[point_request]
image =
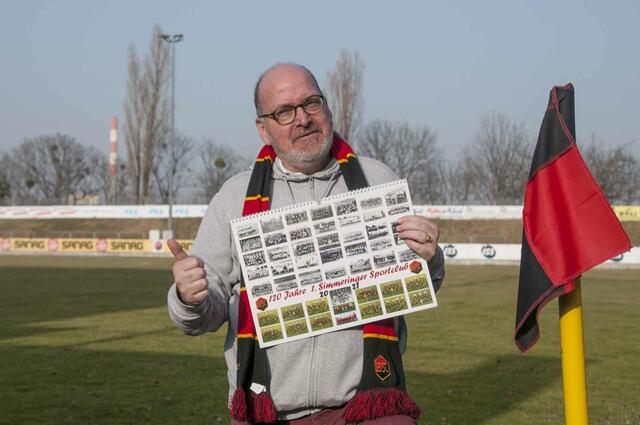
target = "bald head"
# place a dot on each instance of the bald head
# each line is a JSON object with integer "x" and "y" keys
{"x": 275, "y": 72}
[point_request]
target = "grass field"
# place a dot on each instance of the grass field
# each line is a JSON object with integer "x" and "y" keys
{"x": 88, "y": 341}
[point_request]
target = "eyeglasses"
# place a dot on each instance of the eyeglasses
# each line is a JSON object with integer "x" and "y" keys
{"x": 286, "y": 114}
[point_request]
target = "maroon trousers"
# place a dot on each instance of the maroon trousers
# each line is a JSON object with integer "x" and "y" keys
{"x": 334, "y": 416}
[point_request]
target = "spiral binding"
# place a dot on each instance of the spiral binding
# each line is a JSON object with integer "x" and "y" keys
{"x": 401, "y": 183}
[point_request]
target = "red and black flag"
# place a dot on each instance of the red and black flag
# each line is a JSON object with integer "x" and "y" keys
{"x": 569, "y": 226}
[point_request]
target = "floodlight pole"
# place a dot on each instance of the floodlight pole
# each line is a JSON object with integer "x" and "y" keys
{"x": 172, "y": 39}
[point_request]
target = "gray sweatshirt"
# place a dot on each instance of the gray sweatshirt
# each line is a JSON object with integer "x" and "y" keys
{"x": 306, "y": 375}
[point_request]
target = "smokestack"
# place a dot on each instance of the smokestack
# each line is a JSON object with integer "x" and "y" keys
{"x": 113, "y": 158}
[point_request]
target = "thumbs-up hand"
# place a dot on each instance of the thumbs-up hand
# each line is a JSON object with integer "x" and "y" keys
{"x": 189, "y": 274}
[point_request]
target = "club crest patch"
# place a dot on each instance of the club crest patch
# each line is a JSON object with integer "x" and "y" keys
{"x": 261, "y": 304}
{"x": 415, "y": 266}
{"x": 382, "y": 367}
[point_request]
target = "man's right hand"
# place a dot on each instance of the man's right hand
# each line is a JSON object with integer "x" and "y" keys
{"x": 189, "y": 274}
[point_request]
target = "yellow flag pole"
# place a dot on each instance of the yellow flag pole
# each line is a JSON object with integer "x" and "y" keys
{"x": 573, "y": 368}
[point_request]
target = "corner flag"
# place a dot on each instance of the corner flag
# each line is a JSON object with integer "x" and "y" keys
{"x": 569, "y": 226}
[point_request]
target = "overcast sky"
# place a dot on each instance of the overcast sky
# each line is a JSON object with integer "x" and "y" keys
{"x": 442, "y": 64}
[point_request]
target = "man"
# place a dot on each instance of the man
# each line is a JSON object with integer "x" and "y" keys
{"x": 314, "y": 380}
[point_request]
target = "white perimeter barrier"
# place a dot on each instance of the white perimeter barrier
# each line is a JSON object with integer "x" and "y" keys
{"x": 101, "y": 211}
{"x": 445, "y": 212}
{"x": 510, "y": 253}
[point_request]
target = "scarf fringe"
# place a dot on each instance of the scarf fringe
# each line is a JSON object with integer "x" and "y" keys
{"x": 259, "y": 407}
{"x": 378, "y": 403}
{"x": 239, "y": 405}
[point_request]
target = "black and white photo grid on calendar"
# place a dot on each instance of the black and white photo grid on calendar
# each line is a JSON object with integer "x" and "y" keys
{"x": 313, "y": 268}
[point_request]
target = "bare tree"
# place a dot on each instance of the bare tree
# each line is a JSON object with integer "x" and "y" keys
{"x": 101, "y": 177}
{"x": 219, "y": 162}
{"x": 123, "y": 193}
{"x": 412, "y": 152}
{"x": 494, "y": 168}
{"x": 22, "y": 189}
{"x": 616, "y": 170}
{"x": 146, "y": 112}
{"x": 459, "y": 182}
{"x": 101, "y": 180}
{"x": 51, "y": 169}
{"x": 176, "y": 164}
{"x": 345, "y": 93}
{"x": 374, "y": 140}
{"x": 5, "y": 184}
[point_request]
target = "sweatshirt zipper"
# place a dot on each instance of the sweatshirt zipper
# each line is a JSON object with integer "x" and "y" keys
{"x": 312, "y": 189}
{"x": 312, "y": 366}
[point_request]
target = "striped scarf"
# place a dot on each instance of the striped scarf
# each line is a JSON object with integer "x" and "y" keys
{"x": 381, "y": 391}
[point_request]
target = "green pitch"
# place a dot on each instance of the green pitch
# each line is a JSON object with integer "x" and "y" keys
{"x": 88, "y": 340}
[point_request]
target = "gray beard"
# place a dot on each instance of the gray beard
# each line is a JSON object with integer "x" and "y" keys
{"x": 306, "y": 160}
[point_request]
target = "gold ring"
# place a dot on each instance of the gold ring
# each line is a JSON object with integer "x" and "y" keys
{"x": 429, "y": 239}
